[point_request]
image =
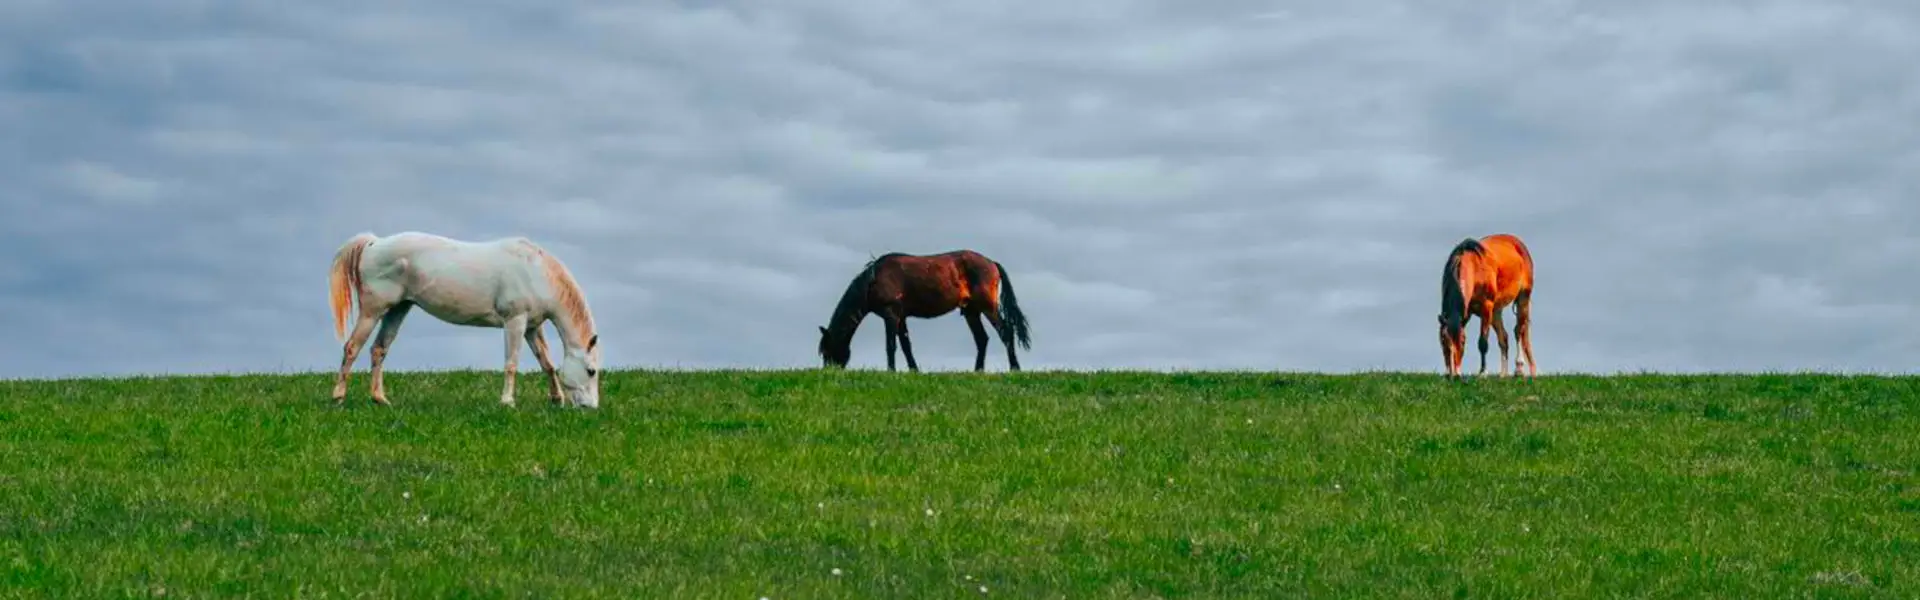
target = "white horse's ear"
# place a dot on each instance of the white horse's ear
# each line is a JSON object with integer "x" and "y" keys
{"x": 593, "y": 341}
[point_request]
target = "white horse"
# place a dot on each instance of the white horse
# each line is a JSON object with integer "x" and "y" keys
{"x": 511, "y": 284}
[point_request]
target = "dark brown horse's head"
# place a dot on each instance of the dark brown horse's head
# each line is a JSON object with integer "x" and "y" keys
{"x": 836, "y": 338}
{"x": 835, "y": 352}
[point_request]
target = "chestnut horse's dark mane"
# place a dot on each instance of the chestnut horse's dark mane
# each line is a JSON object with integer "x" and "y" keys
{"x": 1452, "y": 299}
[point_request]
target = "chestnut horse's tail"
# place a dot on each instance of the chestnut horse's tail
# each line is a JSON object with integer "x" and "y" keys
{"x": 344, "y": 279}
{"x": 1013, "y": 323}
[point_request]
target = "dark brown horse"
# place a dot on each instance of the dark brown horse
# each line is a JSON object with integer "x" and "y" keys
{"x": 896, "y": 286}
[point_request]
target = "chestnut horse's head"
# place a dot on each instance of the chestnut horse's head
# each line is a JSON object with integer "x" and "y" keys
{"x": 1453, "y": 341}
{"x": 1453, "y": 304}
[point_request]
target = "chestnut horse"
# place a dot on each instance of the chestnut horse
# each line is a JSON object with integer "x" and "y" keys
{"x": 1482, "y": 277}
{"x": 896, "y": 286}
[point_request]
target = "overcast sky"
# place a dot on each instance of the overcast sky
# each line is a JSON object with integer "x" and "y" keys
{"x": 1179, "y": 184}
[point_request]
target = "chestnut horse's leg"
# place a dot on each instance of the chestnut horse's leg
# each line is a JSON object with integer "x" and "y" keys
{"x": 1500, "y": 335}
{"x": 979, "y": 340}
{"x": 1486, "y": 322}
{"x": 1523, "y": 329}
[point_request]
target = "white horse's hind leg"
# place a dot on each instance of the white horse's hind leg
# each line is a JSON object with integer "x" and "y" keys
{"x": 389, "y": 329}
{"x": 516, "y": 328}
{"x": 351, "y": 351}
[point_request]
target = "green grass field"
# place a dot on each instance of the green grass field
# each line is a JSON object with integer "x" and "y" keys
{"x": 1041, "y": 485}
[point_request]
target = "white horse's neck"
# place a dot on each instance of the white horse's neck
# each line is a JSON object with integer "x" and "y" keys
{"x": 574, "y": 329}
{"x": 570, "y": 314}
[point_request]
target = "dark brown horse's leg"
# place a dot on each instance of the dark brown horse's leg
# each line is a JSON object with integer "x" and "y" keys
{"x": 906, "y": 346}
{"x": 993, "y": 317}
{"x": 893, "y": 338}
{"x": 979, "y": 341}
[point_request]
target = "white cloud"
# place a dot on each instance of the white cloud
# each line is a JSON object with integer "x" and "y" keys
{"x": 106, "y": 186}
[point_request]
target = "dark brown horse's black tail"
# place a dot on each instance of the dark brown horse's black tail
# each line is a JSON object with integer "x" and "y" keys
{"x": 1013, "y": 323}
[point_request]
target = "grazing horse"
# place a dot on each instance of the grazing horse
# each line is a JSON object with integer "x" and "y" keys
{"x": 897, "y": 286}
{"x": 1482, "y": 277}
{"x": 511, "y": 284}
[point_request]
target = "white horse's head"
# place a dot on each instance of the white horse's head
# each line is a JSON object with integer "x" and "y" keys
{"x": 580, "y": 374}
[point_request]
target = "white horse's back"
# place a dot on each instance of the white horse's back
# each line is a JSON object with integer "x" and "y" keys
{"x": 460, "y": 282}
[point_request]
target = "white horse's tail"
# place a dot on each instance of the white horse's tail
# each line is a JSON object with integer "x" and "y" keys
{"x": 344, "y": 279}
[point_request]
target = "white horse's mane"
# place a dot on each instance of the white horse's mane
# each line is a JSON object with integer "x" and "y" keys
{"x": 567, "y": 294}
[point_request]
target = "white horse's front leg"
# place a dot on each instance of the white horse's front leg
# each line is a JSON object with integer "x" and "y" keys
{"x": 539, "y": 346}
{"x": 516, "y": 328}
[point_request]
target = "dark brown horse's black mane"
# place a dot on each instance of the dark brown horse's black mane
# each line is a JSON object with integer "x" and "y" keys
{"x": 853, "y": 305}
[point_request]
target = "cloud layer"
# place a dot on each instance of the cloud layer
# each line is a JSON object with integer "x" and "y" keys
{"x": 1172, "y": 184}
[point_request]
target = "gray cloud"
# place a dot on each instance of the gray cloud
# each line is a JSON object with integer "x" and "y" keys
{"x": 1172, "y": 185}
